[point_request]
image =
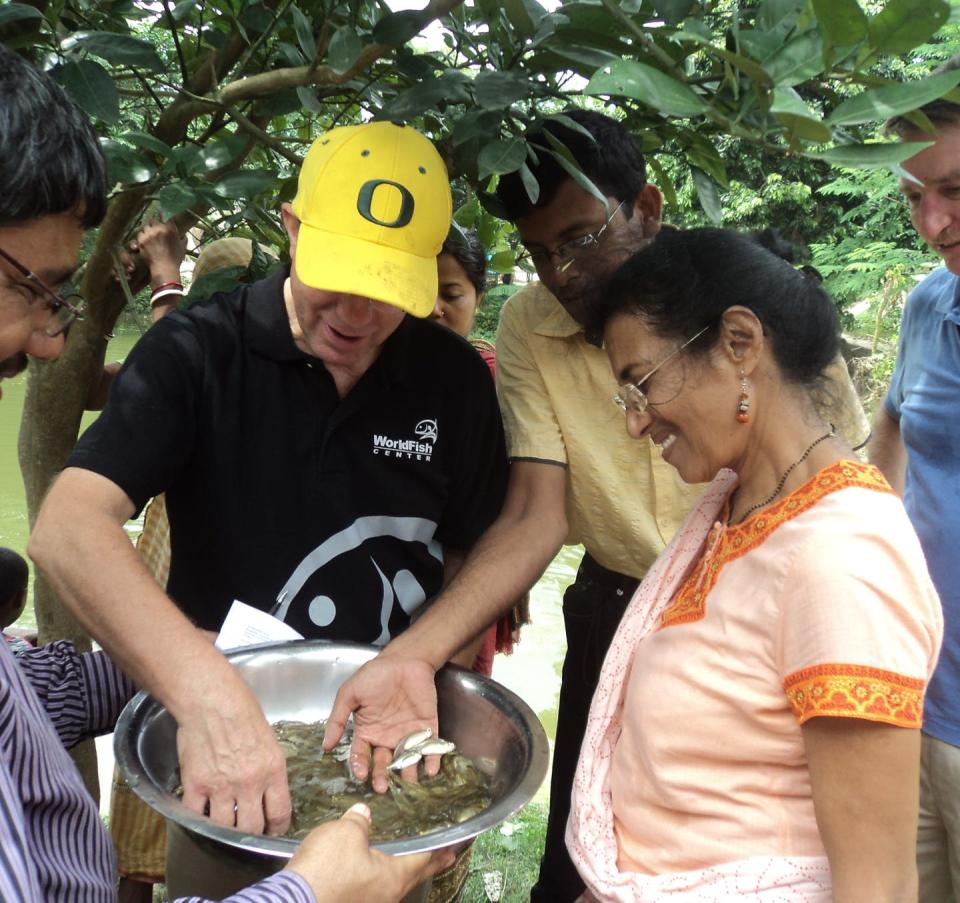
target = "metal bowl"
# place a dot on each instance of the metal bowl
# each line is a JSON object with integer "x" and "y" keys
{"x": 298, "y": 681}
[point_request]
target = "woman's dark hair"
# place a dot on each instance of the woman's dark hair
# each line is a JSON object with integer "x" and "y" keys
{"x": 13, "y": 584}
{"x": 52, "y": 161}
{"x": 607, "y": 154}
{"x": 685, "y": 280}
{"x": 464, "y": 247}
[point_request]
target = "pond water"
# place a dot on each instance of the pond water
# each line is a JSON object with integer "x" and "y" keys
{"x": 532, "y": 671}
{"x": 13, "y": 506}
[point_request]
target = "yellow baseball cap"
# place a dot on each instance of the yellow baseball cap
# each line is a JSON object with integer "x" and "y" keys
{"x": 374, "y": 206}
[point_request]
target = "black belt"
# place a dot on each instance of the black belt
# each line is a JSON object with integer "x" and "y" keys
{"x": 592, "y": 572}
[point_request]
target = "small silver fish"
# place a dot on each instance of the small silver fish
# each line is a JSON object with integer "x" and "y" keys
{"x": 413, "y": 740}
{"x": 436, "y": 747}
{"x": 403, "y": 759}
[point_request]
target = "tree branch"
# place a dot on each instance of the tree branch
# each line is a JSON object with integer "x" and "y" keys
{"x": 184, "y": 74}
{"x": 264, "y": 83}
{"x": 262, "y": 137}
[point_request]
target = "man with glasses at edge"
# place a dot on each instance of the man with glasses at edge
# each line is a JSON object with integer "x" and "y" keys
{"x": 575, "y": 475}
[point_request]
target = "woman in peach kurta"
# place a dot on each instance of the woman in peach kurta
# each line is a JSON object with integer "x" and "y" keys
{"x": 754, "y": 732}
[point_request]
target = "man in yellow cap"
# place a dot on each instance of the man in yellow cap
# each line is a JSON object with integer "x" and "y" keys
{"x": 321, "y": 447}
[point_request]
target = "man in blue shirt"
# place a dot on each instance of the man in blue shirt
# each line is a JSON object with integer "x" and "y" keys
{"x": 916, "y": 442}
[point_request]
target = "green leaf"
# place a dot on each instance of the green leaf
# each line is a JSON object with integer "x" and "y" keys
{"x": 215, "y": 282}
{"x": 870, "y": 156}
{"x": 893, "y": 100}
{"x": 571, "y": 124}
{"x": 786, "y": 100}
{"x": 673, "y": 12}
{"x": 797, "y": 61}
{"x": 778, "y": 15}
{"x": 466, "y": 216}
{"x": 842, "y": 22}
{"x": 707, "y": 194}
{"x": 245, "y": 183}
{"x": 91, "y": 86}
{"x": 501, "y": 156}
{"x": 497, "y": 90}
{"x": 805, "y": 127}
{"x": 345, "y": 47}
{"x": 396, "y": 29}
{"x": 520, "y": 17}
{"x": 478, "y": 124}
{"x": 124, "y": 165}
{"x": 530, "y": 183}
{"x": 664, "y": 182}
{"x": 304, "y": 30}
{"x": 426, "y": 95}
{"x": 256, "y": 17}
{"x": 747, "y": 66}
{"x": 145, "y": 141}
{"x": 309, "y": 100}
{"x": 503, "y": 262}
{"x": 182, "y": 9}
{"x": 120, "y": 49}
{"x": 570, "y": 166}
{"x": 17, "y": 12}
{"x": 761, "y": 45}
{"x": 217, "y": 153}
{"x": 175, "y": 198}
{"x": 797, "y": 117}
{"x": 903, "y": 24}
{"x": 628, "y": 78}
{"x": 584, "y": 61}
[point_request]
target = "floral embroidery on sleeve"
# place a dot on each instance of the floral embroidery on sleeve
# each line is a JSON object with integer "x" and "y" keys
{"x": 855, "y": 691}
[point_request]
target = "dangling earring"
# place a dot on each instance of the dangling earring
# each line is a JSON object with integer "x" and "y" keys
{"x": 743, "y": 405}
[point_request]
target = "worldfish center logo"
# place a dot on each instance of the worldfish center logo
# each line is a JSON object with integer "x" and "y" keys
{"x": 419, "y": 448}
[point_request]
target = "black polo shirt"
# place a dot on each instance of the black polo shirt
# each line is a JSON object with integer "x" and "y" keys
{"x": 276, "y": 488}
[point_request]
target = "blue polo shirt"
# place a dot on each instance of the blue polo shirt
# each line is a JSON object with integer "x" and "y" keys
{"x": 925, "y": 397}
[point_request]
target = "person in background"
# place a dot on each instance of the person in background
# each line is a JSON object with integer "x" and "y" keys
{"x": 755, "y": 730}
{"x": 575, "y": 476}
{"x": 462, "y": 284}
{"x": 162, "y": 249}
{"x": 14, "y": 576}
{"x": 53, "y": 845}
{"x": 916, "y": 443}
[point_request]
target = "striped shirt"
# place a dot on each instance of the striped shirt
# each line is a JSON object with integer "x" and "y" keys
{"x": 53, "y": 845}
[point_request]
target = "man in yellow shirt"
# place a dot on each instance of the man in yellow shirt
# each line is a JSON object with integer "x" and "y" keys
{"x": 575, "y": 475}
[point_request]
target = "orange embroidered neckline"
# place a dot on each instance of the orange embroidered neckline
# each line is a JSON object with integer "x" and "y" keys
{"x": 727, "y": 543}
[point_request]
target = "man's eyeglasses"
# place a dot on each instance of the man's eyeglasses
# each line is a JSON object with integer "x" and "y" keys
{"x": 631, "y": 398}
{"x": 567, "y": 253}
{"x": 63, "y": 310}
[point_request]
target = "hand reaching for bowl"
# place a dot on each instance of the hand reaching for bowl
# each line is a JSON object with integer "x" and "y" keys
{"x": 338, "y": 864}
{"x": 390, "y": 697}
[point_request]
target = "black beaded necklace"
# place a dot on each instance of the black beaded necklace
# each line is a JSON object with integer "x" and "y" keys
{"x": 786, "y": 474}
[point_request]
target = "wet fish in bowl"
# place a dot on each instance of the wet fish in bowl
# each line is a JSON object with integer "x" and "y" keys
{"x": 322, "y": 787}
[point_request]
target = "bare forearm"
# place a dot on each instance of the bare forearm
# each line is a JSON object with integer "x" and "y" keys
{"x": 887, "y": 451}
{"x": 865, "y": 779}
{"x": 96, "y": 572}
{"x": 505, "y": 562}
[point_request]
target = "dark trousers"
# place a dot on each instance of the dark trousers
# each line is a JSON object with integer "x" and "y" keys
{"x": 592, "y": 608}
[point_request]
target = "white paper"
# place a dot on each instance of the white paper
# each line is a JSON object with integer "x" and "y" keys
{"x": 247, "y": 626}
